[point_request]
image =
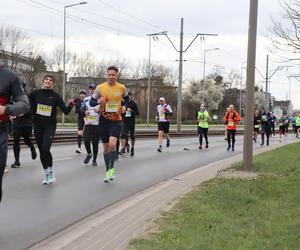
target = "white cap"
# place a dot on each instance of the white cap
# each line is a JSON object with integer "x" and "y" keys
{"x": 162, "y": 99}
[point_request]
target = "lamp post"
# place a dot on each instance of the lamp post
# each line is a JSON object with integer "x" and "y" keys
{"x": 204, "y": 60}
{"x": 64, "y": 52}
{"x": 149, "y": 73}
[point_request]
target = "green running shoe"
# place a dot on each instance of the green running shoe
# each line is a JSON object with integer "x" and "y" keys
{"x": 51, "y": 177}
{"x": 45, "y": 181}
{"x": 112, "y": 174}
{"x": 107, "y": 177}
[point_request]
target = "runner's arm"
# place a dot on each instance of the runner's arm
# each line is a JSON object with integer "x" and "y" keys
{"x": 94, "y": 98}
{"x": 21, "y": 105}
{"x": 61, "y": 104}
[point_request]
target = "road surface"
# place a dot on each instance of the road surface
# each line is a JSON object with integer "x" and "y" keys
{"x": 30, "y": 211}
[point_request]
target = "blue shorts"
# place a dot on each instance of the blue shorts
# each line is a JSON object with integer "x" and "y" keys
{"x": 109, "y": 129}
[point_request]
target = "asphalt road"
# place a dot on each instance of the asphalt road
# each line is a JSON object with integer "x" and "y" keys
{"x": 30, "y": 211}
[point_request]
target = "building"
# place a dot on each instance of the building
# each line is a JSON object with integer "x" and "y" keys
{"x": 283, "y": 108}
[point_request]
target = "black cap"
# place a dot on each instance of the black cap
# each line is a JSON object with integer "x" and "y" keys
{"x": 92, "y": 86}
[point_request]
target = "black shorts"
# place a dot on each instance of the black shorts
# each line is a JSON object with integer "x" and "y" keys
{"x": 128, "y": 128}
{"x": 92, "y": 131}
{"x": 282, "y": 129}
{"x": 256, "y": 129}
{"x": 164, "y": 126}
{"x": 22, "y": 132}
{"x": 109, "y": 129}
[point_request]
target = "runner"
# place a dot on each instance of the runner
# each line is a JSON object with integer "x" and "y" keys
{"x": 109, "y": 95}
{"x": 227, "y": 110}
{"x": 163, "y": 112}
{"x": 281, "y": 124}
{"x": 10, "y": 88}
{"x": 297, "y": 125}
{"x": 231, "y": 119}
{"x": 80, "y": 119}
{"x": 202, "y": 119}
{"x": 22, "y": 127}
{"x": 91, "y": 132}
{"x": 257, "y": 122}
{"x": 266, "y": 127}
{"x": 44, "y": 103}
{"x": 130, "y": 111}
{"x": 293, "y": 121}
{"x": 273, "y": 124}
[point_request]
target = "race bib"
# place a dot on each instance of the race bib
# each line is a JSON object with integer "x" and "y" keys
{"x": 111, "y": 107}
{"x": 162, "y": 116}
{"x": 230, "y": 124}
{"x": 128, "y": 114}
{"x": 256, "y": 126}
{"x": 44, "y": 110}
{"x": 280, "y": 124}
{"x": 91, "y": 118}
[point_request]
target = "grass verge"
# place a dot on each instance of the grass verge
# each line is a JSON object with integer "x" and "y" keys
{"x": 262, "y": 213}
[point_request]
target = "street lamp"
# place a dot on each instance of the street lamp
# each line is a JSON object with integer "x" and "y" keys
{"x": 64, "y": 52}
{"x": 149, "y": 72}
{"x": 204, "y": 60}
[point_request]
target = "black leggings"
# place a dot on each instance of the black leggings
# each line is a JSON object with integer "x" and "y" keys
{"x": 128, "y": 128}
{"x": 19, "y": 132}
{"x": 231, "y": 137}
{"x": 3, "y": 153}
{"x": 202, "y": 132}
{"x": 91, "y": 134}
{"x": 44, "y": 135}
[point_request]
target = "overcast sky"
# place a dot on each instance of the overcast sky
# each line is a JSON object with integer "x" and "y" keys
{"x": 118, "y": 28}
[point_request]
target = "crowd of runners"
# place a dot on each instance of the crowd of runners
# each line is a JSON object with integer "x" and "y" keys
{"x": 106, "y": 113}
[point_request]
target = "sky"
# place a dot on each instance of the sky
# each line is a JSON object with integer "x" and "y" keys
{"x": 118, "y": 29}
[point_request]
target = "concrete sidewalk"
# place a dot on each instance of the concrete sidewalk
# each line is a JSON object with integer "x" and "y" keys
{"x": 114, "y": 226}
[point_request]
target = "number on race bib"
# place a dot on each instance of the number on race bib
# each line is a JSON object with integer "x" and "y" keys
{"x": 111, "y": 107}
{"x": 128, "y": 114}
{"x": 44, "y": 110}
{"x": 162, "y": 116}
{"x": 230, "y": 124}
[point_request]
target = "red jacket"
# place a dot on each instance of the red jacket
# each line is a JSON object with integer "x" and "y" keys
{"x": 231, "y": 119}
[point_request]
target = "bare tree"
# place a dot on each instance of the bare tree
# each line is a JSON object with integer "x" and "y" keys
{"x": 285, "y": 27}
{"x": 14, "y": 45}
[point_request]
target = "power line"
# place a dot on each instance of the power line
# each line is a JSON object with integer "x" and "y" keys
{"x": 130, "y": 15}
{"x": 107, "y": 18}
{"x": 76, "y": 18}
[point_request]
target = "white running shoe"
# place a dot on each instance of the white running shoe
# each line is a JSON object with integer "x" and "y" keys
{"x": 45, "y": 181}
{"x": 51, "y": 177}
{"x": 78, "y": 151}
{"x": 6, "y": 169}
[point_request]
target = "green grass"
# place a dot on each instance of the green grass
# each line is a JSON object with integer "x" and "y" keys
{"x": 263, "y": 213}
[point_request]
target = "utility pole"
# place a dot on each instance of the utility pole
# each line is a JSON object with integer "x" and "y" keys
{"x": 181, "y": 51}
{"x": 179, "y": 92}
{"x": 204, "y": 60}
{"x": 267, "y": 80}
{"x": 250, "y": 80}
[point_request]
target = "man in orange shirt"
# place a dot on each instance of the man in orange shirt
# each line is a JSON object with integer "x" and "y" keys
{"x": 110, "y": 95}
{"x": 231, "y": 119}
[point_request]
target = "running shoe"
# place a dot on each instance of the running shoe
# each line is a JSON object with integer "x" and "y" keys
{"x": 6, "y": 169}
{"x": 200, "y": 147}
{"x": 78, "y": 151}
{"x": 206, "y": 146}
{"x": 94, "y": 164}
{"x": 168, "y": 143}
{"x": 33, "y": 154}
{"x": 159, "y": 149}
{"x": 122, "y": 152}
{"x": 112, "y": 174}
{"x": 228, "y": 148}
{"x": 107, "y": 177}
{"x": 45, "y": 181}
{"x": 51, "y": 177}
{"x": 132, "y": 151}
{"x": 232, "y": 149}
{"x": 128, "y": 148}
{"x": 87, "y": 159}
{"x": 16, "y": 165}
